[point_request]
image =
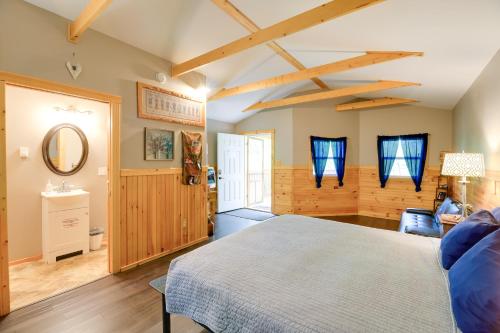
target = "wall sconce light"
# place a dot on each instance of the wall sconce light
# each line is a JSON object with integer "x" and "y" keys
{"x": 72, "y": 109}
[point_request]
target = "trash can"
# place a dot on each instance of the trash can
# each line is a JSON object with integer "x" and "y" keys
{"x": 96, "y": 235}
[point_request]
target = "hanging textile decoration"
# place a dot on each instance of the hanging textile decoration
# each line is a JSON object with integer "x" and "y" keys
{"x": 191, "y": 158}
{"x": 339, "y": 147}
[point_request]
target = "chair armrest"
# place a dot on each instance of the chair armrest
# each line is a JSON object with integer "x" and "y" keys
{"x": 420, "y": 211}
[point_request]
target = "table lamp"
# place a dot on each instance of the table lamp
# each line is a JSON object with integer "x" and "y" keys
{"x": 463, "y": 165}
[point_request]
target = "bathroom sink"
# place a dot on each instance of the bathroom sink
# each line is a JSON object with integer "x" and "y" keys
{"x": 61, "y": 194}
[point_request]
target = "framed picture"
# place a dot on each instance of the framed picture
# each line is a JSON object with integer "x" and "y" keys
{"x": 441, "y": 194}
{"x": 165, "y": 105}
{"x": 158, "y": 144}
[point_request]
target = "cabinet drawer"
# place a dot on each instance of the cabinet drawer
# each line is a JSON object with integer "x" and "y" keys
{"x": 66, "y": 203}
{"x": 67, "y": 227}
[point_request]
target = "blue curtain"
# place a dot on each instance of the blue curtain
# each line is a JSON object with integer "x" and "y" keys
{"x": 319, "y": 153}
{"x": 339, "y": 146}
{"x": 415, "y": 153}
{"x": 387, "y": 147}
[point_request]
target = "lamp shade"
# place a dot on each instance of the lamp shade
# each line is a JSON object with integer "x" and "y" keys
{"x": 463, "y": 164}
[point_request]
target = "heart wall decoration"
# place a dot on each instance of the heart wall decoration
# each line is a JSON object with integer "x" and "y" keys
{"x": 74, "y": 70}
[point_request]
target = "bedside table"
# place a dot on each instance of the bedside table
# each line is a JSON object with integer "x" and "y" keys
{"x": 448, "y": 224}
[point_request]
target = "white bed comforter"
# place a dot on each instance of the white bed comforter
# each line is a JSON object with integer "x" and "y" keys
{"x": 301, "y": 274}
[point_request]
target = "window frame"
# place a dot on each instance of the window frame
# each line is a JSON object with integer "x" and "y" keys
{"x": 312, "y": 172}
{"x": 401, "y": 159}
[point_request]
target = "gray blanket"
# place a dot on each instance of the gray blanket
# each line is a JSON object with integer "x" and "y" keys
{"x": 300, "y": 274}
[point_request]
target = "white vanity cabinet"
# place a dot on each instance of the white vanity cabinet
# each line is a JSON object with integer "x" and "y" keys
{"x": 65, "y": 223}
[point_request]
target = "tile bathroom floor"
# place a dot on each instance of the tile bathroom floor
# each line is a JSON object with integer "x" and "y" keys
{"x": 34, "y": 281}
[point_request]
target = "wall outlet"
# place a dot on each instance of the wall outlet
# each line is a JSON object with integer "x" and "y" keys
{"x": 184, "y": 223}
{"x": 24, "y": 152}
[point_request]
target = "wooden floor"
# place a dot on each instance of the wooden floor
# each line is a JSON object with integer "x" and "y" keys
{"x": 125, "y": 302}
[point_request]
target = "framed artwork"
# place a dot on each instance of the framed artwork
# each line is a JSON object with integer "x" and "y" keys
{"x": 158, "y": 144}
{"x": 441, "y": 194}
{"x": 165, "y": 105}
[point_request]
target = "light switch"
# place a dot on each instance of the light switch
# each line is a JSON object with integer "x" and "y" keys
{"x": 102, "y": 171}
{"x": 24, "y": 152}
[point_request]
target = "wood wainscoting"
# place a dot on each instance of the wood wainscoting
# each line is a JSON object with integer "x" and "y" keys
{"x": 296, "y": 193}
{"x": 283, "y": 190}
{"x": 159, "y": 215}
{"x": 328, "y": 200}
{"x": 482, "y": 193}
{"x": 398, "y": 194}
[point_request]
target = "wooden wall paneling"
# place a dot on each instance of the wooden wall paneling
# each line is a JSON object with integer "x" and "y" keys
{"x": 152, "y": 247}
{"x": 123, "y": 221}
{"x": 330, "y": 199}
{"x": 4, "y": 245}
{"x": 283, "y": 190}
{"x": 131, "y": 237}
{"x": 160, "y": 214}
{"x": 177, "y": 218}
{"x": 399, "y": 193}
{"x": 482, "y": 193}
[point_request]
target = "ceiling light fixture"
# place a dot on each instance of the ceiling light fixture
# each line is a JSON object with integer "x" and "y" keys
{"x": 73, "y": 110}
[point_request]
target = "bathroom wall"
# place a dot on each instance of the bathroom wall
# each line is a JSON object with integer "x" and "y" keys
{"x": 30, "y": 115}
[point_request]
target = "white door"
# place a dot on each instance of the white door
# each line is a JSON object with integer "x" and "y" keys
{"x": 230, "y": 172}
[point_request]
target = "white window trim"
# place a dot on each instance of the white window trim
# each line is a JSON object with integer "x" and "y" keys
{"x": 400, "y": 156}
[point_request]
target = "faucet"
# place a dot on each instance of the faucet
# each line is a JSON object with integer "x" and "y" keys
{"x": 64, "y": 188}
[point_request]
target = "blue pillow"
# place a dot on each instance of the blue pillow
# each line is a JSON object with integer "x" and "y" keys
{"x": 496, "y": 213}
{"x": 475, "y": 287}
{"x": 465, "y": 235}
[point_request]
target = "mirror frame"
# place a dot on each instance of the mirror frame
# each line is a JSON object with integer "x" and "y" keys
{"x": 45, "y": 149}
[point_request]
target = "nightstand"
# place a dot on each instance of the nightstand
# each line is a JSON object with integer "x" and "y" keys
{"x": 448, "y": 224}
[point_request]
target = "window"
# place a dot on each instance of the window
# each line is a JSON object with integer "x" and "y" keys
{"x": 400, "y": 169}
{"x": 330, "y": 166}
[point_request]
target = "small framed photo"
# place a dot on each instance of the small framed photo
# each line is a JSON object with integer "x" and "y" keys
{"x": 158, "y": 144}
{"x": 441, "y": 194}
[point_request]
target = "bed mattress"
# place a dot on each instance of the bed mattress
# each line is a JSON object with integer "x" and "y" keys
{"x": 301, "y": 274}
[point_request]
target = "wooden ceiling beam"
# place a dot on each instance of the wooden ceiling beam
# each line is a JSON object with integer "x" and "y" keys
{"x": 372, "y": 103}
{"x": 310, "y": 18}
{"x": 370, "y": 58}
{"x": 336, "y": 93}
{"x": 246, "y": 22}
{"x": 89, "y": 14}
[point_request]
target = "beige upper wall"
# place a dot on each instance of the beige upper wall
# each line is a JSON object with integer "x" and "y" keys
{"x": 30, "y": 115}
{"x": 321, "y": 119}
{"x": 476, "y": 118}
{"x": 295, "y": 126}
{"x": 399, "y": 120}
{"x": 214, "y": 127}
{"x": 281, "y": 120}
{"x": 33, "y": 42}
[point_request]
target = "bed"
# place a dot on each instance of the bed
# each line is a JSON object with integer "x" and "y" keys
{"x": 301, "y": 274}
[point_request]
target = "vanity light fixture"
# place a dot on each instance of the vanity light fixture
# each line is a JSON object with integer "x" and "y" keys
{"x": 73, "y": 109}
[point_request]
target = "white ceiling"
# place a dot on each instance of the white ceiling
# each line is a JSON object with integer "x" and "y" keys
{"x": 459, "y": 37}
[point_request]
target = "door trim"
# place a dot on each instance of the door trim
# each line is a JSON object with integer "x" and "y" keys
{"x": 114, "y": 102}
{"x": 273, "y": 156}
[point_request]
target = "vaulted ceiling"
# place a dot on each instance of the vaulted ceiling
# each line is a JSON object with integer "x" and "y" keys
{"x": 458, "y": 37}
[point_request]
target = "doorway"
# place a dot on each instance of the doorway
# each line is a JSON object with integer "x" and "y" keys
{"x": 111, "y": 106}
{"x": 57, "y": 189}
{"x": 259, "y": 168}
{"x": 245, "y": 168}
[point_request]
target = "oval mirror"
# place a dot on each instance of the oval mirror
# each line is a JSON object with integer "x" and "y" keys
{"x": 65, "y": 149}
